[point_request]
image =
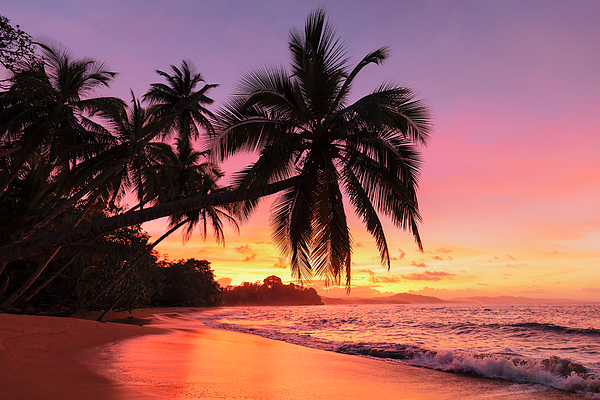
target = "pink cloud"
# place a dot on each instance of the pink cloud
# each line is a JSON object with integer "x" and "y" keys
{"x": 591, "y": 290}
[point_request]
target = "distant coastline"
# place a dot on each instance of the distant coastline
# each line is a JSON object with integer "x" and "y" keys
{"x": 407, "y": 298}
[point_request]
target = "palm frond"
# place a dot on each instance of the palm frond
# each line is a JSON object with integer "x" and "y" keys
{"x": 365, "y": 210}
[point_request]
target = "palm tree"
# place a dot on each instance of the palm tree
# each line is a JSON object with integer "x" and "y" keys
{"x": 303, "y": 125}
{"x": 187, "y": 177}
{"x": 45, "y": 109}
{"x": 172, "y": 176}
{"x": 130, "y": 152}
{"x": 181, "y": 84}
{"x": 314, "y": 145}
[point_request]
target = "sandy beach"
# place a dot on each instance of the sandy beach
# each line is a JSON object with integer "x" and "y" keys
{"x": 175, "y": 356}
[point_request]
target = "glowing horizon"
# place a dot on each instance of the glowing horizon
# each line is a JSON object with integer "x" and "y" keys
{"x": 510, "y": 187}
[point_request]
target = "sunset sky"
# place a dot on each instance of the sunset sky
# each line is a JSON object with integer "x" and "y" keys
{"x": 510, "y": 189}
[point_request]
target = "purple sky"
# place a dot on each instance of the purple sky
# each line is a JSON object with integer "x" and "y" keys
{"x": 513, "y": 168}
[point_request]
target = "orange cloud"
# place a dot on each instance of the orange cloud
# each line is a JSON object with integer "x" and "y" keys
{"x": 247, "y": 251}
{"x": 281, "y": 263}
{"x": 402, "y": 254}
{"x": 428, "y": 276}
{"x": 224, "y": 282}
{"x": 374, "y": 278}
{"x": 419, "y": 265}
{"x": 436, "y": 258}
{"x": 243, "y": 249}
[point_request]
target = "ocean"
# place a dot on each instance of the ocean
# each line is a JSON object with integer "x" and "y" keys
{"x": 555, "y": 345}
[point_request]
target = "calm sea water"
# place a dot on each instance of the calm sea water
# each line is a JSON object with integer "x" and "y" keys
{"x": 556, "y": 345}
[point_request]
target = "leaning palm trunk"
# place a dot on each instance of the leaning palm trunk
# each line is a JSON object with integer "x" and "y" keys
{"x": 31, "y": 247}
{"x": 33, "y": 277}
{"x": 113, "y": 305}
{"x": 126, "y": 270}
{"x": 17, "y": 293}
{"x": 42, "y": 285}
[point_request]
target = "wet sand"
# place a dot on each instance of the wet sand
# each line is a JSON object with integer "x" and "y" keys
{"x": 178, "y": 357}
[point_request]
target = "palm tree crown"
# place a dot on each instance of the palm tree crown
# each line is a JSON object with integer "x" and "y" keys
{"x": 303, "y": 126}
{"x": 181, "y": 84}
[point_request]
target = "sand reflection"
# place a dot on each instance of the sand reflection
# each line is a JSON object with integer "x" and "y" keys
{"x": 198, "y": 362}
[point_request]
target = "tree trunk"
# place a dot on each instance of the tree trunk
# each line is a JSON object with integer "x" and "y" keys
{"x": 17, "y": 293}
{"x": 50, "y": 278}
{"x": 27, "y": 248}
{"x": 43, "y": 266}
{"x": 126, "y": 270}
{"x": 99, "y": 319}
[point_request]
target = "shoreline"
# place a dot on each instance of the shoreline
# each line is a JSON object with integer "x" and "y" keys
{"x": 39, "y": 355}
{"x": 175, "y": 356}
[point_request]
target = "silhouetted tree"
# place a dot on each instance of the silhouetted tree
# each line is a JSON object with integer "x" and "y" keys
{"x": 188, "y": 283}
{"x": 272, "y": 292}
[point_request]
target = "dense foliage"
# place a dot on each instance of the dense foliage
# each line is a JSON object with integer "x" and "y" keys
{"x": 189, "y": 283}
{"x": 73, "y": 279}
{"x": 272, "y": 292}
{"x": 69, "y": 157}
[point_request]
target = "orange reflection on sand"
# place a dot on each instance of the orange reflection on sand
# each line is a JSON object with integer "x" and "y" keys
{"x": 199, "y": 362}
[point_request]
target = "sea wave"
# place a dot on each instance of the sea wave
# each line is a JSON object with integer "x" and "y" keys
{"x": 557, "y": 328}
{"x": 553, "y": 371}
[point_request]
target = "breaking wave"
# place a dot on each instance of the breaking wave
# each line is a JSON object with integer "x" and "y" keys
{"x": 522, "y": 351}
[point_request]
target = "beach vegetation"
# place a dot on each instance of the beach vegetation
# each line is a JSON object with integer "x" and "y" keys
{"x": 16, "y": 46}
{"x": 187, "y": 283}
{"x": 69, "y": 158}
{"x": 270, "y": 292}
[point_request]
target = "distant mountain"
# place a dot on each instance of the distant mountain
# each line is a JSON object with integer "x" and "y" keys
{"x": 400, "y": 298}
{"x": 511, "y": 300}
{"x": 416, "y": 298}
{"x": 407, "y": 298}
